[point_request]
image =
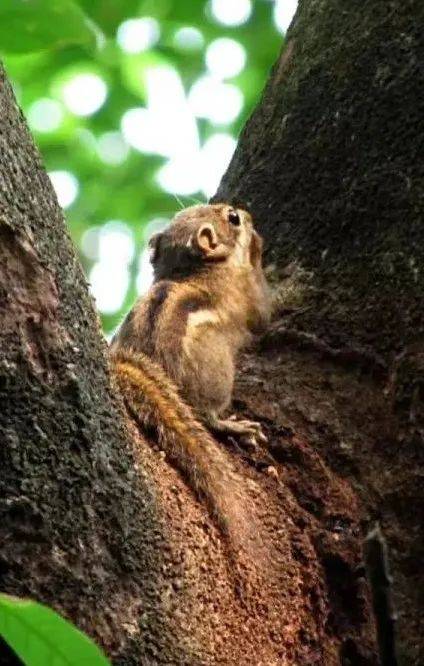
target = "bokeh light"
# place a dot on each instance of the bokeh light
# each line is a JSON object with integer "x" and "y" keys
{"x": 215, "y": 157}
{"x": 66, "y": 187}
{"x": 179, "y": 176}
{"x": 109, "y": 284}
{"x": 138, "y": 34}
{"x": 113, "y": 247}
{"x": 146, "y": 125}
{"x": 116, "y": 243}
{"x": 112, "y": 148}
{"x": 145, "y": 269}
{"x": 90, "y": 242}
{"x": 166, "y": 126}
{"x": 188, "y": 39}
{"x": 45, "y": 115}
{"x": 85, "y": 93}
{"x": 145, "y": 274}
{"x": 231, "y": 12}
{"x": 219, "y": 102}
{"x": 225, "y": 57}
{"x": 284, "y": 11}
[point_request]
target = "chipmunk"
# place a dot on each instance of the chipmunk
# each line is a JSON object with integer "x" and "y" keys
{"x": 174, "y": 355}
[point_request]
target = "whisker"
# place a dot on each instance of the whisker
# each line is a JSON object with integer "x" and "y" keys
{"x": 179, "y": 202}
{"x": 196, "y": 201}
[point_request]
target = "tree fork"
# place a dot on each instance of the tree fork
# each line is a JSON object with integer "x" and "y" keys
{"x": 97, "y": 524}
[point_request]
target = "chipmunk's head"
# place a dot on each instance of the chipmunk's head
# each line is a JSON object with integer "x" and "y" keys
{"x": 208, "y": 234}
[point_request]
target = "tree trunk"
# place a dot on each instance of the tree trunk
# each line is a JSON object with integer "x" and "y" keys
{"x": 98, "y": 525}
{"x": 332, "y": 165}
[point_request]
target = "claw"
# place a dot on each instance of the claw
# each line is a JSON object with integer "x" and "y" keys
{"x": 248, "y": 431}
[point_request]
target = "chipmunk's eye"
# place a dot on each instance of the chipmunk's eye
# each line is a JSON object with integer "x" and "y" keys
{"x": 234, "y": 218}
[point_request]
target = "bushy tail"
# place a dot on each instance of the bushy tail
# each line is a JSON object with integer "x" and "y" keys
{"x": 153, "y": 400}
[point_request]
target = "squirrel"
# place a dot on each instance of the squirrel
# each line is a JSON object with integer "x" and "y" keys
{"x": 174, "y": 354}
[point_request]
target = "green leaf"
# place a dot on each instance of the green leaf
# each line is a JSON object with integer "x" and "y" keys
{"x": 108, "y": 14}
{"x": 39, "y": 636}
{"x": 33, "y": 25}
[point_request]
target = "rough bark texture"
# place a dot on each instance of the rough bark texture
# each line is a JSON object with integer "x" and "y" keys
{"x": 332, "y": 165}
{"x": 97, "y": 524}
{"x": 78, "y": 525}
{"x": 94, "y": 521}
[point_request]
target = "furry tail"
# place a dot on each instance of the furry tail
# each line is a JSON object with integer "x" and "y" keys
{"x": 153, "y": 400}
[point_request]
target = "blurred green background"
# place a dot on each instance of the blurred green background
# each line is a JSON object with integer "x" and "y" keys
{"x": 136, "y": 107}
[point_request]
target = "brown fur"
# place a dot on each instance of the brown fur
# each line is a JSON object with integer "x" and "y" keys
{"x": 200, "y": 356}
{"x": 153, "y": 400}
{"x": 208, "y": 298}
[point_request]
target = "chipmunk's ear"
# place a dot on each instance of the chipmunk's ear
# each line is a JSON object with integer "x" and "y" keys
{"x": 208, "y": 243}
{"x": 255, "y": 250}
{"x": 154, "y": 247}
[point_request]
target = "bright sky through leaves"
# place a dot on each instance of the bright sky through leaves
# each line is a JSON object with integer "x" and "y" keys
{"x": 149, "y": 120}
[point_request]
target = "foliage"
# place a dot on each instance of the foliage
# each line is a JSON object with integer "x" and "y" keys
{"x": 79, "y": 67}
{"x": 39, "y": 636}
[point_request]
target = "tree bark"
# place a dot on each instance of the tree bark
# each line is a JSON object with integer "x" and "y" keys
{"x": 98, "y": 525}
{"x": 94, "y": 521}
{"x": 332, "y": 165}
{"x": 78, "y": 527}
